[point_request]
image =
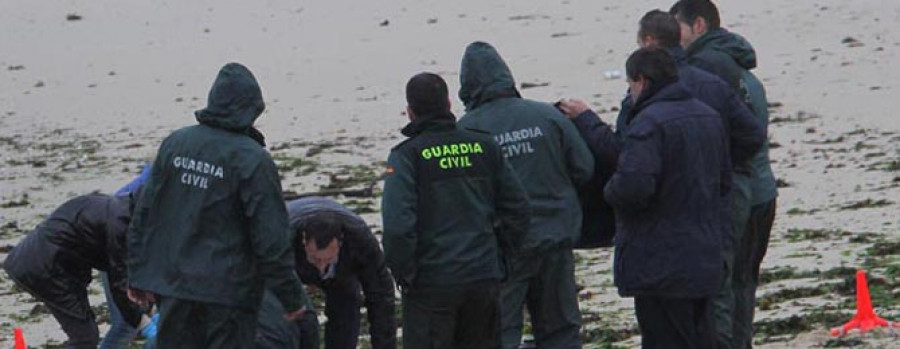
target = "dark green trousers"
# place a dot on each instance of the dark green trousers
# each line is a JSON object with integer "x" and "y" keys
{"x": 452, "y": 317}
{"x": 751, "y": 250}
{"x": 545, "y": 284}
{"x": 724, "y": 303}
{"x": 196, "y": 325}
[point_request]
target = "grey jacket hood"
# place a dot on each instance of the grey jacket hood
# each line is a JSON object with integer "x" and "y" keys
{"x": 484, "y": 76}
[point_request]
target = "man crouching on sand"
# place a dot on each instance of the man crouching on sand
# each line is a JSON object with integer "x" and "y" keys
{"x": 53, "y": 263}
{"x": 211, "y": 227}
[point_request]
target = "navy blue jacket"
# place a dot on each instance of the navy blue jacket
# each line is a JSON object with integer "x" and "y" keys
{"x": 671, "y": 182}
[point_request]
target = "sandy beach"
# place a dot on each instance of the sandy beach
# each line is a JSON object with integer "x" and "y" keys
{"x": 89, "y": 89}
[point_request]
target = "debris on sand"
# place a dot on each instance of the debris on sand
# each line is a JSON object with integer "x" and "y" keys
{"x": 16, "y": 67}
{"x": 852, "y": 42}
{"x": 801, "y": 116}
{"x": 73, "y": 17}
{"x": 23, "y": 201}
{"x": 867, "y": 203}
{"x": 527, "y": 17}
{"x": 526, "y": 85}
{"x": 562, "y": 35}
{"x": 384, "y": 23}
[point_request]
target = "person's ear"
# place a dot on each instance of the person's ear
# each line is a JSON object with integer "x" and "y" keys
{"x": 700, "y": 26}
{"x": 644, "y": 82}
{"x": 647, "y": 41}
{"x": 410, "y": 114}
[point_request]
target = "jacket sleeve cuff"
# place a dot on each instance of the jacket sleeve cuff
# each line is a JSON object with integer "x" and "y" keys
{"x": 295, "y": 298}
{"x": 587, "y": 119}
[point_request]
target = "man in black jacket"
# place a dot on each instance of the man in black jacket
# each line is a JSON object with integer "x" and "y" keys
{"x": 210, "y": 230}
{"x": 451, "y": 206}
{"x": 671, "y": 182}
{"x": 336, "y": 251}
{"x": 54, "y": 262}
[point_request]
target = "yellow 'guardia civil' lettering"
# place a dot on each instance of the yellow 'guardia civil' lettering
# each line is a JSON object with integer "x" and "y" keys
{"x": 454, "y": 149}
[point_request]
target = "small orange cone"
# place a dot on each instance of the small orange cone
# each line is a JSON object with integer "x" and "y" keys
{"x": 19, "y": 338}
{"x": 865, "y": 319}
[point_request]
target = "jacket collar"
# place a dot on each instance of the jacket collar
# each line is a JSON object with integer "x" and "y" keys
{"x": 671, "y": 91}
{"x": 439, "y": 121}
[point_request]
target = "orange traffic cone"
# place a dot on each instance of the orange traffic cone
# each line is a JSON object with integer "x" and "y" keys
{"x": 19, "y": 338}
{"x": 865, "y": 319}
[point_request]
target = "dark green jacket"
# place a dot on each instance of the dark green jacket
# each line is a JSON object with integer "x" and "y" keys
{"x": 543, "y": 147}
{"x": 451, "y": 203}
{"x": 731, "y": 57}
{"x": 211, "y": 225}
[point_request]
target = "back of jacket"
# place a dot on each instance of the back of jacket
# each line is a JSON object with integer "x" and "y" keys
{"x": 210, "y": 225}
{"x": 450, "y": 202}
{"x": 84, "y": 233}
{"x": 543, "y": 147}
{"x": 670, "y": 185}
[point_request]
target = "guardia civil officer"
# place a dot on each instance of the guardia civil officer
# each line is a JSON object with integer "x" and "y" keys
{"x": 211, "y": 228}
{"x": 451, "y": 207}
{"x": 552, "y": 161}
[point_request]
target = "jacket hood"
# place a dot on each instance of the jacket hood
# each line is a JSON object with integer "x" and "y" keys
{"x": 729, "y": 43}
{"x": 484, "y": 76}
{"x": 235, "y": 100}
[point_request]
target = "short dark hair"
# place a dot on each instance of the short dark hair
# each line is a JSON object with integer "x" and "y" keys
{"x": 322, "y": 228}
{"x": 662, "y": 26}
{"x": 652, "y": 63}
{"x": 689, "y": 10}
{"x": 427, "y": 93}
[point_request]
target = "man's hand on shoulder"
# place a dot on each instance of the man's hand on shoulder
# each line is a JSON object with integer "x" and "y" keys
{"x": 572, "y": 107}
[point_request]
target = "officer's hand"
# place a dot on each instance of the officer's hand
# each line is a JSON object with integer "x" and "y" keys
{"x": 295, "y": 315}
{"x": 572, "y": 107}
{"x": 141, "y": 297}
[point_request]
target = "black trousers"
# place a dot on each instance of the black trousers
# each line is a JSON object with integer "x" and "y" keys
{"x": 193, "y": 325}
{"x": 65, "y": 297}
{"x": 457, "y": 317}
{"x": 342, "y": 303}
{"x": 82, "y": 332}
{"x": 675, "y": 323}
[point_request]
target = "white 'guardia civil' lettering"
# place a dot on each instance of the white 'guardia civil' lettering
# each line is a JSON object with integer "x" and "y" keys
{"x": 518, "y": 135}
{"x": 198, "y": 166}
